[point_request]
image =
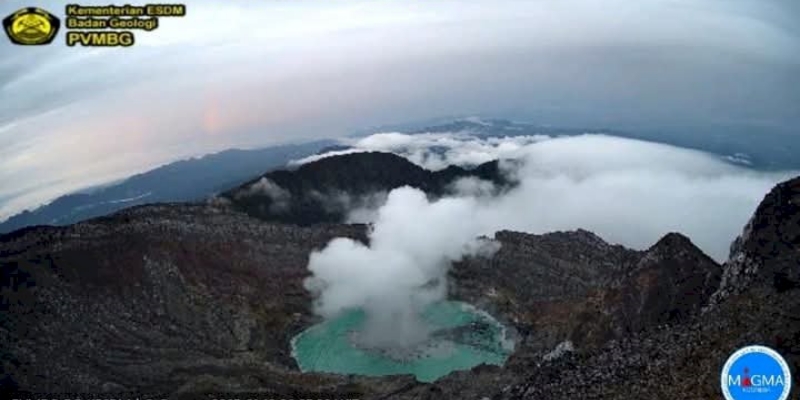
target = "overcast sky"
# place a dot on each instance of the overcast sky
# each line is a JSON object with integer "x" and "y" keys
{"x": 244, "y": 73}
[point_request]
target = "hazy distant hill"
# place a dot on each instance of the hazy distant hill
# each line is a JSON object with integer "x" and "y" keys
{"x": 185, "y": 180}
{"x": 325, "y": 190}
{"x": 739, "y": 145}
{"x": 198, "y": 178}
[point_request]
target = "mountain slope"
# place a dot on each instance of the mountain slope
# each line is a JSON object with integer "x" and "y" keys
{"x": 179, "y": 297}
{"x": 161, "y": 297}
{"x": 186, "y": 180}
{"x": 757, "y": 303}
{"x": 324, "y": 190}
{"x": 150, "y": 297}
{"x": 573, "y": 286}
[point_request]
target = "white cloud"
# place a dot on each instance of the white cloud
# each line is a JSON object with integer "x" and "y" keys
{"x": 471, "y": 186}
{"x": 628, "y": 191}
{"x": 401, "y": 271}
{"x": 310, "y": 69}
{"x": 358, "y": 208}
{"x": 280, "y": 197}
{"x": 435, "y": 151}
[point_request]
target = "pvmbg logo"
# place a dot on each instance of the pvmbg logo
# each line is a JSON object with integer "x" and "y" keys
{"x": 31, "y": 26}
{"x": 756, "y": 373}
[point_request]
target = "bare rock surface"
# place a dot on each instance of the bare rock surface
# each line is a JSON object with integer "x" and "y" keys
{"x": 180, "y": 298}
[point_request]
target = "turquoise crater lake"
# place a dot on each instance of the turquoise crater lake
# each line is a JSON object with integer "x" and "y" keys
{"x": 462, "y": 337}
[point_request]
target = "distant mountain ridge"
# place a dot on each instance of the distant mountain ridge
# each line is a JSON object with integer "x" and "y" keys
{"x": 196, "y": 179}
{"x": 185, "y": 180}
{"x": 323, "y": 191}
{"x": 744, "y": 147}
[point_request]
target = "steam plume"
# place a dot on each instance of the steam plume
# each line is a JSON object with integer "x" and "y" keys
{"x": 402, "y": 270}
{"x": 628, "y": 191}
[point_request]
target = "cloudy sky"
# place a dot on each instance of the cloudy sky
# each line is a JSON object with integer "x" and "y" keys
{"x": 241, "y": 73}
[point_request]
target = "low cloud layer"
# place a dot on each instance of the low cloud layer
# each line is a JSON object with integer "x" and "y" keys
{"x": 435, "y": 151}
{"x": 359, "y": 209}
{"x": 628, "y": 191}
{"x": 280, "y": 197}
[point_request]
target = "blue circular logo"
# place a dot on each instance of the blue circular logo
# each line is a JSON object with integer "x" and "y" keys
{"x": 756, "y": 373}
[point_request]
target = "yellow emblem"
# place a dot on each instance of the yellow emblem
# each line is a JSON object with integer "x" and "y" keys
{"x": 31, "y": 26}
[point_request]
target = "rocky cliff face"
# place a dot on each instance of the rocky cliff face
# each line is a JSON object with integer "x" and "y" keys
{"x": 153, "y": 297}
{"x": 757, "y": 302}
{"x": 766, "y": 253}
{"x": 573, "y": 287}
{"x": 164, "y": 297}
{"x": 185, "y": 298}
